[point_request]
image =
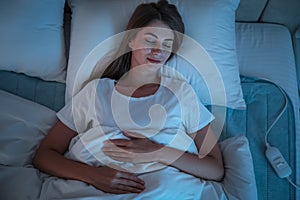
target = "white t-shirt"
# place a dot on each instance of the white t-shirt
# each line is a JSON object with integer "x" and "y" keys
{"x": 99, "y": 112}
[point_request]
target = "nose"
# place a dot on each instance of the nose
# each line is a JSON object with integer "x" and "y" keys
{"x": 156, "y": 51}
{"x": 157, "y": 48}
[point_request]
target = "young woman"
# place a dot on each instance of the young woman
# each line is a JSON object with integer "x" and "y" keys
{"x": 136, "y": 150}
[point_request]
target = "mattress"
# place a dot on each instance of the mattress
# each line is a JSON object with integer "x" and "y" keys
{"x": 47, "y": 93}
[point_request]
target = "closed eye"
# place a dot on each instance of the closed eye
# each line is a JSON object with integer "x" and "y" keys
{"x": 168, "y": 45}
{"x": 150, "y": 41}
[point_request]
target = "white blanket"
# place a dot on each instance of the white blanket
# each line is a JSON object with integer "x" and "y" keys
{"x": 161, "y": 182}
{"x": 23, "y": 124}
{"x": 168, "y": 183}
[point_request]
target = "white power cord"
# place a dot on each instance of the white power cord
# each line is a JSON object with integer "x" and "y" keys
{"x": 292, "y": 183}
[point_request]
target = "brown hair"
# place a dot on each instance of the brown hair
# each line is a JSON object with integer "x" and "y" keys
{"x": 143, "y": 15}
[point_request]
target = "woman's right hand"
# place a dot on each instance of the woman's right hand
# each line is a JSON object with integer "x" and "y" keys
{"x": 49, "y": 159}
{"x": 113, "y": 181}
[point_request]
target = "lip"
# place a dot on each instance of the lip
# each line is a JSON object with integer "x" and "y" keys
{"x": 153, "y": 61}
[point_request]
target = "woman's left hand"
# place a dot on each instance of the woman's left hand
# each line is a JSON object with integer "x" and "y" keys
{"x": 137, "y": 149}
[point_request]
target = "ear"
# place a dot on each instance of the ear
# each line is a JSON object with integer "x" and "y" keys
{"x": 130, "y": 44}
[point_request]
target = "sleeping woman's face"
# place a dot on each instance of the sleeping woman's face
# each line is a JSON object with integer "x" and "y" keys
{"x": 152, "y": 44}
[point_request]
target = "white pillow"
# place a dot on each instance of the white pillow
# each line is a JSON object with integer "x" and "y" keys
{"x": 23, "y": 124}
{"x": 239, "y": 181}
{"x": 265, "y": 51}
{"x": 210, "y": 22}
{"x": 31, "y": 38}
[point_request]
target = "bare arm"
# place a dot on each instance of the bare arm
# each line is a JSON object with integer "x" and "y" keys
{"x": 208, "y": 164}
{"x": 49, "y": 158}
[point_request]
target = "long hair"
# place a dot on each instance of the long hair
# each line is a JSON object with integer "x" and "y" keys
{"x": 143, "y": 15}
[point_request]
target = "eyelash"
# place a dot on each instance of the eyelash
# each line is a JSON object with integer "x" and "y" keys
{"x": 168, "y": 46}
{"x": 153, "y": 42}
{"x": 150, "y": 41}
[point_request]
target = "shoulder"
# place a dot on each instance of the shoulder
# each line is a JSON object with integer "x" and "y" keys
{"x": 176, "y": 85}
{"x": 171, "y": 80}
{"x": 96, "y": 83}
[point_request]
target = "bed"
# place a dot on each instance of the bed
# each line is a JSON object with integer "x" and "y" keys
{"x": 29, "y": 102}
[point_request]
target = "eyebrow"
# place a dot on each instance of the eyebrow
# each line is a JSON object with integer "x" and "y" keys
{"x": 157, "y": 37}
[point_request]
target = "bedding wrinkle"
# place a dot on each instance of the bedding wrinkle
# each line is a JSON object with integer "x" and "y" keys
{"x": 43, "y": 115}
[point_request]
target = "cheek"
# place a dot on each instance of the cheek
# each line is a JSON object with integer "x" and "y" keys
{"x": 141, "y": 53}
{"x": 166, "y": 54}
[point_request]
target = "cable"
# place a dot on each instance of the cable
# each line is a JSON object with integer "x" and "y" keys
{"x": 263, "y": 80}
{"x": 292, "y": 183}
{"x": 280, "y": 114}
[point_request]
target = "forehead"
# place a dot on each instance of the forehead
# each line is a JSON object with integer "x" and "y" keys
{"x": 159, "y": 30}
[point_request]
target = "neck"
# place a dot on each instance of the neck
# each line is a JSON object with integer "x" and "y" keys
{"x": 139, "y": 76}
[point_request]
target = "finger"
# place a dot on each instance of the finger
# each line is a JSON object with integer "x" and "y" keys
{"x": 132, "y": 135}
{"x": 117, "y": 154}
{"x": 117, "y": 191}
{"x": 115, "y": 150}
{"x": 132, "y": 177}
{"x": 128, "y": 189}
{"x": 117, "y": 142}
{"x": 129, "y": 182}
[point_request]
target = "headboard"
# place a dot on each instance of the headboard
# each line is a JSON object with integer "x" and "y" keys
{"x": 270, "y": 11}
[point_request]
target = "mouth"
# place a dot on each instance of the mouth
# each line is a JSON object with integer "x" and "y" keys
{"x": 154, "y": 61}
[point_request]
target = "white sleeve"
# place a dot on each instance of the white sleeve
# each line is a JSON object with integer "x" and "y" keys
{"x": 195, "y": 115}
{"x": 76, "y": 114}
